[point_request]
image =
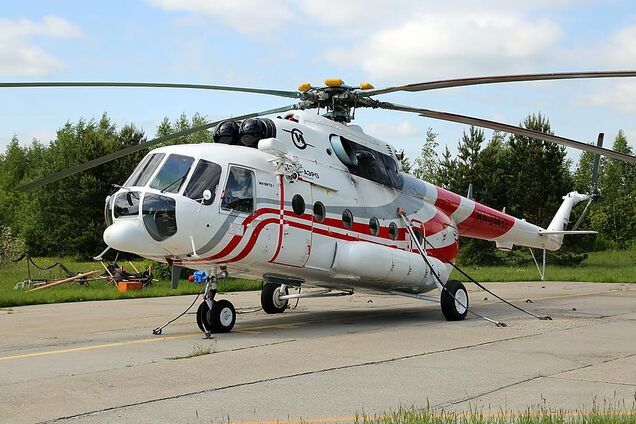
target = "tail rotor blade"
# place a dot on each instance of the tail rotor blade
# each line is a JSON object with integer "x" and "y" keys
{"x": 582, "y": 217}
{"x": 594, "y": 194}
{"x": 597, "y": 161}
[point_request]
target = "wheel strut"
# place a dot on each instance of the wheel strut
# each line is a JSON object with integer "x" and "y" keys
{"x": 215, "y": 316}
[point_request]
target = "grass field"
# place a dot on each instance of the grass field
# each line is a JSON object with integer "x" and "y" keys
{"x": 602, "y": 267}
{"x": 606, "y": 415}
{"x": 607, "y": 266}
{"x": 96, "y": 290}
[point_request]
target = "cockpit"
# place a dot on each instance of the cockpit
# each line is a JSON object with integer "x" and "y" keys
{"x": 164, "y": 182}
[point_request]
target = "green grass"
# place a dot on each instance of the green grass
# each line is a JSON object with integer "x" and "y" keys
{"x": 604, "y": 267}
{"x": 606, "y": 415}
{"x": 197, "y": 350}
{"x": 607, "y": 266}
{"x": 96, "y": 290}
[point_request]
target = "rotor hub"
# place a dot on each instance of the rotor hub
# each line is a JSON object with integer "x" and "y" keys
{"x": 339, "y": 100}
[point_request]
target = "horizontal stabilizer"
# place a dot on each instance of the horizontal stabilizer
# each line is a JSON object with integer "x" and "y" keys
{"x": 564, "y": 232}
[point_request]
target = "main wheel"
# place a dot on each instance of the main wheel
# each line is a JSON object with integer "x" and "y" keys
{"x": 454, "y": 308}
{"x": 222, "y": 316}
{"x": 202, "y": 317}
{"x": 270, "y": 299}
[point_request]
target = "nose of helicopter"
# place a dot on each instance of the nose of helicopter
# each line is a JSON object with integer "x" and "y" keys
{"x": 131, "y": 236}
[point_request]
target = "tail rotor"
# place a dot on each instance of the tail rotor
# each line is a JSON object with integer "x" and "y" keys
{"x": 594, "y": 195}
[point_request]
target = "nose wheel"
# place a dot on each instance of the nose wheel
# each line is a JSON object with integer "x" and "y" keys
{"x": 215, "y": 316}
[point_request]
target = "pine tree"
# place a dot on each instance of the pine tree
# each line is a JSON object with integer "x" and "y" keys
{"x": 447, "y": 170}
{"x": 541, "y": 174}
{"x": 425, "y": 167}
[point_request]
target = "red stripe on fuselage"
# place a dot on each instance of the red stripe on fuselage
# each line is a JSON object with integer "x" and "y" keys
{"x": 447, "y": 201}
{"x": 281, "y": 217}
{"x": 433, "y": 226}
{"x": 437, "y": 224}
{"x": 237, "y": 239}
{"x": 252, "y": 241}
{"x": 485, "y": 223}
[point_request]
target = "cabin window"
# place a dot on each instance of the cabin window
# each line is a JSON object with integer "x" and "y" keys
{"x": 172, "y": 174}
{"x": 393, "y": 231}
{"x": 144, "y": 170}
{"x": 319, "y": 211}
{"x": 206, "y": 176}
{"x": 347, "y": 218}
{"x": 239, "y": 190}
{"x": 298, "y": 204}
{"x": 374, "y": 226}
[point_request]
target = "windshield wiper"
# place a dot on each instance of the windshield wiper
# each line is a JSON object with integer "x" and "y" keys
{"x": 180, "y": 179}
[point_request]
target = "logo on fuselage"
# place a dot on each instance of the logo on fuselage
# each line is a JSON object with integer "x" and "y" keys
{"x": 298, "y": 139}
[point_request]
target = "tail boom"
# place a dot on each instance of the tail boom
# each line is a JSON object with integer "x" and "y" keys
{"x": 476, "y": 220}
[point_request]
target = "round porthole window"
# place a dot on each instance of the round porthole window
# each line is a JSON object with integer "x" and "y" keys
{"x": 298, "y": 204}
{"x": 393, "y": 231}
{"x": 347, "y": 218}
{"x": 374, "y": 226}
{"x": 319, "y": 211}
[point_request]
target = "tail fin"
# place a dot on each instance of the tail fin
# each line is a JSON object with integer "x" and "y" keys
{"x": 562, "y": 218}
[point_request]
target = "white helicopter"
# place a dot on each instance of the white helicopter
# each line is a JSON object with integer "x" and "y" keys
{"x": 301, "y": 199}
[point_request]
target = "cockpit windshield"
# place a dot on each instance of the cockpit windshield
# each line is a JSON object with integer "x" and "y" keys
{"x": 144, "y": 170}
{"x": 172, "y": 174}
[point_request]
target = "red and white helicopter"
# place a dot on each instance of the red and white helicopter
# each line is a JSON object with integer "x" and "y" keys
{"x": 303, "y": 199}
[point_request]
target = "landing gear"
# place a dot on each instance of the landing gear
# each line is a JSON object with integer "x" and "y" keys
{"x": 215, "y": 316}
{"x": 270, "y": 298}
{"x": 202, "y": 317}
{"x": 454, "y": 307}
{"x": 222, "y": 316}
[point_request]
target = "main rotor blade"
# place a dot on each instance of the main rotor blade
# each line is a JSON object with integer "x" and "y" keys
{"x": 459, "y": 82}
{"x": 132, "y": 149}
{"x": 493, "y": 125}
{"x": 280, "y": 93}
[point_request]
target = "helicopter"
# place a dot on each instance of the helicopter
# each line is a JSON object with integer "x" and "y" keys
{"x": 303, "y": 199}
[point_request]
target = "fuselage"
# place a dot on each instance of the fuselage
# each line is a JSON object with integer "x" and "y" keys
{"x": 324, "y": 213}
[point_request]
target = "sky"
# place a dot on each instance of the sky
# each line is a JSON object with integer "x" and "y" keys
{"x": 279, "y": 44}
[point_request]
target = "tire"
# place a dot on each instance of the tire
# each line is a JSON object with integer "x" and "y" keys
{"x": 222, "y": 316}
{"x": 269, "y": 299}
{"x": 202, "y": 317}
{"x": 452, "y": 309}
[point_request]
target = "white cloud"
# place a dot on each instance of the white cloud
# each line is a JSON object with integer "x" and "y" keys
{"x": 388, "y": 131}
{"x": 620, "y": 96}
{"x": 256, "y": 17}
{"x": 452, "y": 44}
{"x": 620, "y": 50}
{"x": 20, "y": 55}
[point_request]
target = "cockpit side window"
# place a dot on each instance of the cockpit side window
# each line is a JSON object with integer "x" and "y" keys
{"x": 205, "y": 177}
{"x": 144, "y": 170}
{"x": 239, "y": 190}
{"x": 172, "y": 174}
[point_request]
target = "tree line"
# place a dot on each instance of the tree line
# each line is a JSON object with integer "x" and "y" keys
{"x": 66, "y": 218}
{"x": 527, "y": 177}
